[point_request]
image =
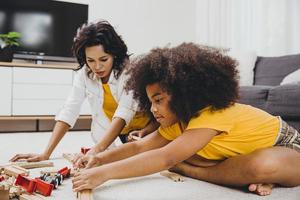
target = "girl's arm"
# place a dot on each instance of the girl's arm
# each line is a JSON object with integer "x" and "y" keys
{"x": 112, "y": 133}
{"x": 148, "y": 162}
{"x": 152, "y": 141}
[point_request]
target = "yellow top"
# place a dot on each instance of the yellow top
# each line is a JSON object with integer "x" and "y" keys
{"x": 139, "y": 121}
{"x": 242, "y": 128}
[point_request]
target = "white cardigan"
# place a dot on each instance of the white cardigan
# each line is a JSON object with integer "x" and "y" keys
{"x": 84, "y": 87}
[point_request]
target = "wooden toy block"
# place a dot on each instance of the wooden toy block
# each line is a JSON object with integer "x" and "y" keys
{"x": 28, "y": 165}
{"x": 15, "y": 191}
{"x": 69, "y": 156}
{"x": 85, "y": 195}
{"x": 14, "y": 170}
{"x": 31, "y": 197}
{"x": 32, "y": 165}
{"x": 173, "y": 176}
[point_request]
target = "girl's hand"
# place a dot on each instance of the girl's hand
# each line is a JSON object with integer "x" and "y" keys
{"x": 138, "y": 133}
{"x": 30, "y": 157}
{"x": 88, "y": 179}
{"x": 88, "y": 161}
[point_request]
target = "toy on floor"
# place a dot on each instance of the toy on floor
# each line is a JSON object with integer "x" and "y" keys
{"x": 14, "y": 181}
{"x": 34, "y": 185}
{"x": 55, "y": 177}
{"x": 85, "y": 194}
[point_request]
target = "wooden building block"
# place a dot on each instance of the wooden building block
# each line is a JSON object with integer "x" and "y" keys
{"x": 14, "y": 170}
{"x": 173, "y": 176}
{"x": 69, "y": 156}
{"x": 32, "y": 165}
{"x": 85, "y": 195}
{"x": 31, "y": 197}
{"x": 28, "y": 165}
{"x": 15, "y": 191}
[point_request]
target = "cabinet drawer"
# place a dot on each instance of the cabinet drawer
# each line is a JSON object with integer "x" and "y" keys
{"x": 35, "y": 91}
{"x": 5, "y": 88}
{"x": 36, "y": 107}
{"x": 44, "y": 76}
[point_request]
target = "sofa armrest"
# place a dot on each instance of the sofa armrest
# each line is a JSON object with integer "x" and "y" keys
{"x": 255, "y": 95}
{"x": 284, "y": 100}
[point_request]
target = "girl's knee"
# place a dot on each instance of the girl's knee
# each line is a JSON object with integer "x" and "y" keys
{"x": 262, "y": 164}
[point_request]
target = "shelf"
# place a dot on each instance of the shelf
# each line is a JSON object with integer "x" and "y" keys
{"x": 42, "y": 117}
{"x": 32, "y": 65}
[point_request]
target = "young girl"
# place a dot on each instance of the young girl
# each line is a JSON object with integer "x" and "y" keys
{"x": 204, "y": 134}
{"x": 103, "y": 59}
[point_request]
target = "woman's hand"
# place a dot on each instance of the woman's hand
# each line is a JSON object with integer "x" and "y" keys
{"x": 29, "y": 157}
{"x": 78, "y": 161}
{"x": 88, "y": 179}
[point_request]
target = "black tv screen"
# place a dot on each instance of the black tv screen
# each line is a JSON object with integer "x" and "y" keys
{"x": 47, "y": 27}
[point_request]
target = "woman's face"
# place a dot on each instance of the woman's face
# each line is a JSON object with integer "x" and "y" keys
{"x": 160, "y": 107}
{"x": 99, "y": 62}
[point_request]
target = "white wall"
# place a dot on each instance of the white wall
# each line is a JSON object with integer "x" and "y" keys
{"x": 269, "y": 27}
{"x": 145, "y": 24}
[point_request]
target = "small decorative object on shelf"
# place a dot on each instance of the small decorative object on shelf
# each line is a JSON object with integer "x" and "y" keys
{"x": 8, "y": 42}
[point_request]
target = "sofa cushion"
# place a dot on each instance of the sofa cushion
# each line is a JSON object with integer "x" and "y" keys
{"x": 254, "y": 95}
{"x": 271, "y": 70}
{"x": 284, "y": 101}
{"x": 292, "y": 78}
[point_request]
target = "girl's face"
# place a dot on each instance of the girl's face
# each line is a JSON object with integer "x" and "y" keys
{"x": 99, "y": 62}
{"x": 160, "y": 105}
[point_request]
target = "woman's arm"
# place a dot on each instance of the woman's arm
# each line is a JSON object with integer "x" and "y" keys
{"x": 111, "y": 134}
{"x": 148, "y": 162}
{"x": 149, "y": 128}
{"x": 66, "y": 118}
{"x": 59, "y": 131}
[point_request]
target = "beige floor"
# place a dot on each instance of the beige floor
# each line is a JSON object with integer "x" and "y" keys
{"x": 154, "y": 187}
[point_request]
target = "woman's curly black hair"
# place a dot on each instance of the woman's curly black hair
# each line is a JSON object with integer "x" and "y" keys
{"x": 195, "y": 76}
{"x": 100, "y": 33}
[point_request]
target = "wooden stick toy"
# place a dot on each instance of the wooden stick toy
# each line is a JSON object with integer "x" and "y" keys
{"x": 173, "y": 176}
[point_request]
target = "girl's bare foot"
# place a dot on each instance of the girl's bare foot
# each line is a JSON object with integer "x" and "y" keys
{"x": 261, "y": 189}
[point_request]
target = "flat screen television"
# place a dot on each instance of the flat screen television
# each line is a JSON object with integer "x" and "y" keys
{"x": 47, "y": 27}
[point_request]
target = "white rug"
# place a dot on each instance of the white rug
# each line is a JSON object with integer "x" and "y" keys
{"x": 153, "y": 187}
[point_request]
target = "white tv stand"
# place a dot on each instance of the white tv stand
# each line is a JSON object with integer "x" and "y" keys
{"x": 35, "y": 92}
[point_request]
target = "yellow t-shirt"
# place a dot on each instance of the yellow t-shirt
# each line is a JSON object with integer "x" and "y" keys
{"x": 242, "y": 128}
{"x": 139, "y": 121}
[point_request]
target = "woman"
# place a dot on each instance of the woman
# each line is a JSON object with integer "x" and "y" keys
{"x": 103, "y": 59}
